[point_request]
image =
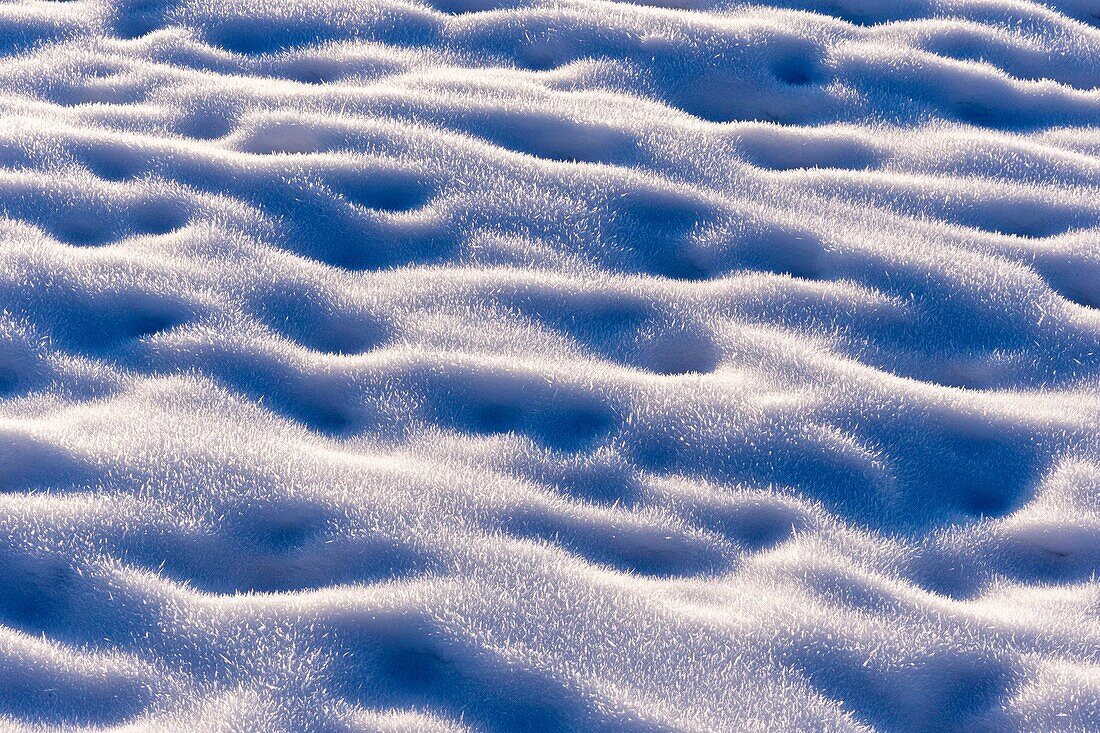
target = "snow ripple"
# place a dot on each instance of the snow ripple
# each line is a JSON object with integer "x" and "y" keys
{"x": 541, "y": 365}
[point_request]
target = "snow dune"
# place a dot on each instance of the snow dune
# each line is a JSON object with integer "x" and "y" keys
{"x": 542, "y": 365}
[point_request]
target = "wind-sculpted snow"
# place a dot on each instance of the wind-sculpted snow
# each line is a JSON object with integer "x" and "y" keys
{"x": 535, "y": 366}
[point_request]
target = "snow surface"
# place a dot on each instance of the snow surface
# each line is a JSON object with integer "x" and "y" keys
{"x": 549, "y": 365}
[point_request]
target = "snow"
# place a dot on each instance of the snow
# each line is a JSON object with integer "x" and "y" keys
{"x": 549, "y": 365}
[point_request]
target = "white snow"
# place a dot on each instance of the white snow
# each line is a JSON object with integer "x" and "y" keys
{"x": 549, "y": 365}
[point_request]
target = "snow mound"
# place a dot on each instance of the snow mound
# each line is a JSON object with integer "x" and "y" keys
{"x": 549, "y": 365}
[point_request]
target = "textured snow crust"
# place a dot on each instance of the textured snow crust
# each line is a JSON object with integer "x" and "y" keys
{"x": 372, "y": 365}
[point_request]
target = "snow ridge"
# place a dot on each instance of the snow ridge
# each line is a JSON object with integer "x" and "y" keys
{"x": 549, "y": 365}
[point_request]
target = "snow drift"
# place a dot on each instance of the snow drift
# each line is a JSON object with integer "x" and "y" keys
{"x": 478, "y": 365}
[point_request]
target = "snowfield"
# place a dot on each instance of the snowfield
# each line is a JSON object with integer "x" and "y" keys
{"x": 523, "y": 366}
